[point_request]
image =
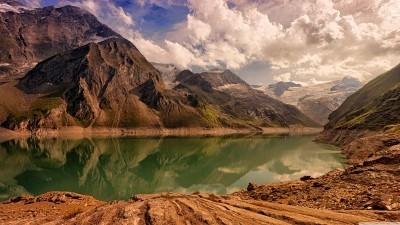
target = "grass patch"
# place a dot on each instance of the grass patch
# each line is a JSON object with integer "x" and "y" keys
{"x": 38, "y": 110}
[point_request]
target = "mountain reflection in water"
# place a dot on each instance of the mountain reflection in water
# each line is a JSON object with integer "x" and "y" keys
{"x": 117, "y": 168}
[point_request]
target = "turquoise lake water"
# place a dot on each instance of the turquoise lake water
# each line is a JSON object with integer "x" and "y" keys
{"x": 117, "y": 168}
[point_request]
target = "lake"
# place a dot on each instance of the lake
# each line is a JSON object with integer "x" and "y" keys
{"x": 117, "y": 168}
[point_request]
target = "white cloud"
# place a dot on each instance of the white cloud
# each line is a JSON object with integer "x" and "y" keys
{"x": 285, "y": 77}
{"x": 32, "y": 3}
{"x": 164, "y": 3}
{"x": 307, "y": 39}
{"x": 107, "y": 12}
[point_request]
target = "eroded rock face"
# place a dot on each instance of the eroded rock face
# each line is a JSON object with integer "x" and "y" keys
{"x": 32, "y": 35}
{"x": 100, "y": 83}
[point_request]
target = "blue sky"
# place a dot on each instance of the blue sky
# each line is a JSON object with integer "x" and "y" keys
{"x": 263, "y": 41}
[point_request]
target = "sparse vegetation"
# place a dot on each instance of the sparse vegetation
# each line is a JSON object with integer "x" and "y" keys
{"x": 374, "y": 107}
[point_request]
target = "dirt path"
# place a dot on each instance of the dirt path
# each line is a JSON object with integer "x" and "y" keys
{"x": 70, "y": 208}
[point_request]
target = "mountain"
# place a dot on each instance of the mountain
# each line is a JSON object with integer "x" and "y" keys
{"x": 31, "y": 35}
{"x": 347, "y": 84}
{"x": 231, "y": 96}
{"x": 89, "y": 86}
{"x": 280, "y": 87}
{"x": 376, "y": 106}
{"x": 93, "y": 85}
{"x": 109, "y": 83}
{"x": 316, "y": 101}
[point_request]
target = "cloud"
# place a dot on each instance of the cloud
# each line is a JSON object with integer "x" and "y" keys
{"x": 311, "y": 40}
{"x": 32, "y": 3}
{"x": 163, "y": 3}
{"x": 107, "y": 12}
{"x": 285, "y": 77}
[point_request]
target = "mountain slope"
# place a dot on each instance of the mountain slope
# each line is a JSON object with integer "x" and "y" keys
{"x": 230, "y": 95}
{"x": 373, "y": 107}
{"x": 32, "y": 35}
{"x": 96, "y": 84}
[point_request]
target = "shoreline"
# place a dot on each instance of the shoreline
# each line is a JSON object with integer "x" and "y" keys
{"x": 370, "y": 181}
{"x": 101, "y": 132}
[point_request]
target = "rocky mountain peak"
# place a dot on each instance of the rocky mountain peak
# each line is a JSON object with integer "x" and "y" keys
{"x": 97, "y": 78}
{"x": 221, "y": 78}
{"x": 347, "y": 84}
{"x": 31, "y": 36}
{"x": 280, "y": 87}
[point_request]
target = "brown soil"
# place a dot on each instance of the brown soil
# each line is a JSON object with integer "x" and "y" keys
{"x": 45, "y": 208}
{"x": 171, "y": 209}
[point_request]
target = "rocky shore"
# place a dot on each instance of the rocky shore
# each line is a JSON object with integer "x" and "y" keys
{"x": 367, "y": 190}
{"x": 370, "y": 182}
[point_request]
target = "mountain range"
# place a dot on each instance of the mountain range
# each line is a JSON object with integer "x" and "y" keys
{"x": 87, "y": 75}
{"x": 316, "y": 101}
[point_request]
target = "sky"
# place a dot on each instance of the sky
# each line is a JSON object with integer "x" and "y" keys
{"x": 263, "y": 41}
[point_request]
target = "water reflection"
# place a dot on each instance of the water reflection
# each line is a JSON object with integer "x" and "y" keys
{"x": 118, "y": 168}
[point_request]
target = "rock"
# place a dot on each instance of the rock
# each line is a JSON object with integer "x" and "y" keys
{"x": 380, "y": 205}
{"x": 264, "y": 197}
{"x": 317, "y": 184}
{"x": 305, "y": 178}
{"x": 17, "y": 199}
{"x": 251, "y": 187}
{"x": 395, "y": 206}
{"x": 391, "y": 142}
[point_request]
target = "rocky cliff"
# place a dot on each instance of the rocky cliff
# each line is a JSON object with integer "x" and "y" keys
{"x": 104, "y": 84}
{"x": 29, "y": 35}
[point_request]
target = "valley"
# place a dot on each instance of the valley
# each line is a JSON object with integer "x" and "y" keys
{"x": 92, "y": 132}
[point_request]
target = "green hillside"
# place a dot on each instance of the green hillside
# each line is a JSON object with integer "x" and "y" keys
{"x": 376, "y": 106}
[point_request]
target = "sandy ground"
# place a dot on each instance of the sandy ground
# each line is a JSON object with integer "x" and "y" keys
{"x": 79, "y": 132}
